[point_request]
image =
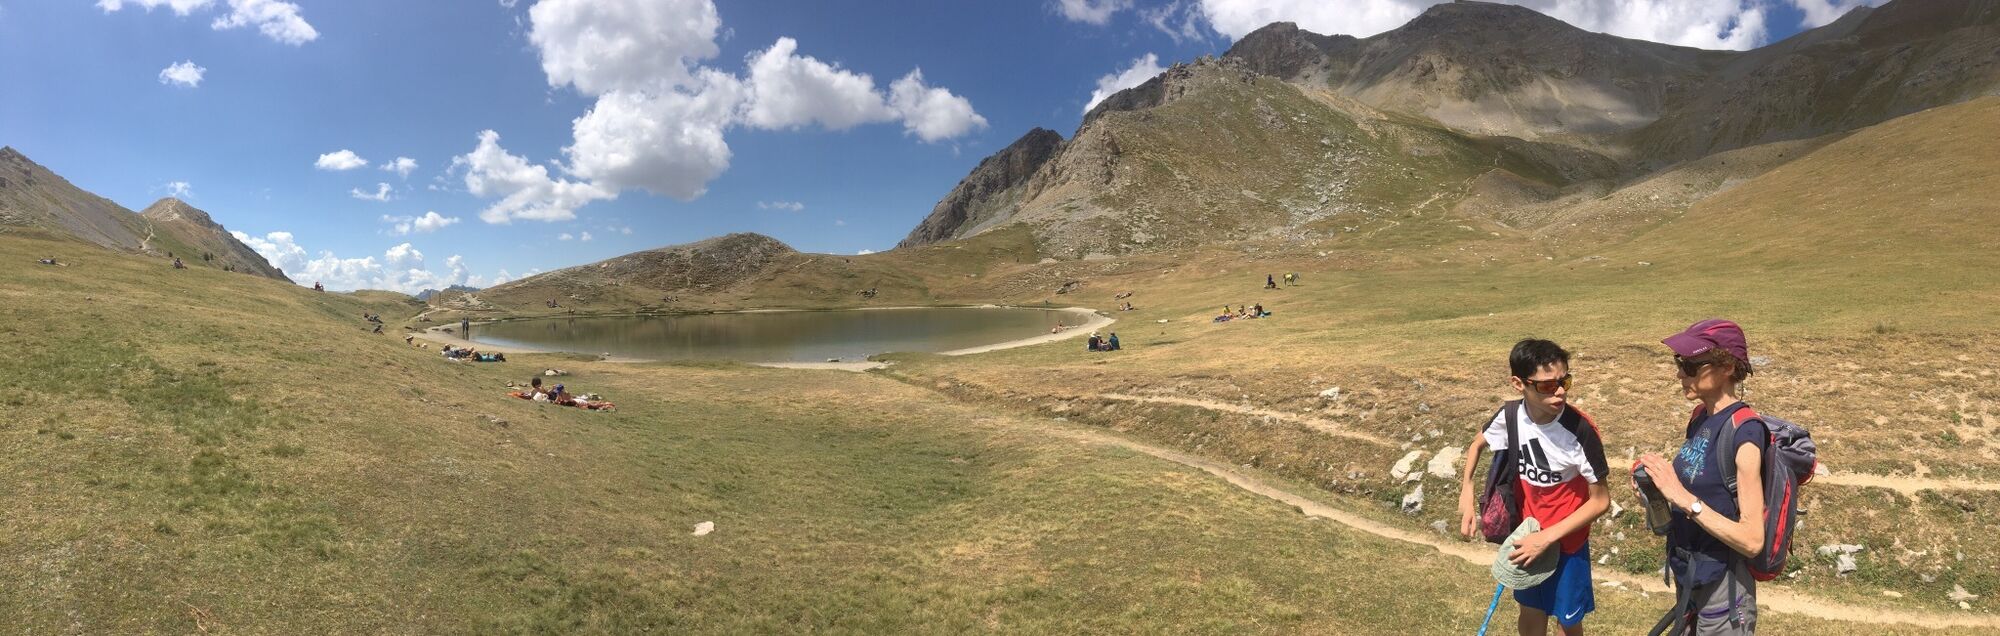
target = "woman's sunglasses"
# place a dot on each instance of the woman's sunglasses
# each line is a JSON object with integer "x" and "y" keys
{"x": 1550, "y": 385}
{"x": 1689, "y": 367}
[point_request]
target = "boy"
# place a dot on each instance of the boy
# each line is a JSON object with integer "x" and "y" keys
{"x": 1562, "y": 471}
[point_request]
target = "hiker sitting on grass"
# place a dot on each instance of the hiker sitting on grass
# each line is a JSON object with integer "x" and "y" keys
{"x": 1111, "y": 344}
{"x": 48, "y": 261}
{"x": 1270, "y": 282}
{"x": 1550, "y": 456}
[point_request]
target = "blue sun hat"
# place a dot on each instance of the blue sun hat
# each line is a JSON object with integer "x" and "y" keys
{"x": 1519, "y": 578}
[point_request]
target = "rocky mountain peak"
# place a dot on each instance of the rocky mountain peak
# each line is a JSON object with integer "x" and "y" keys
{"x": 989, "y": 192}
{"x": 1282, "y": 49}
{"x": 172, "y": 209}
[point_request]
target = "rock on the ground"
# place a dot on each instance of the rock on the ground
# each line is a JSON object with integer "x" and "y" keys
{"x": 1845, "y": 564}
{"x": 1444, "y": 465}
{"x": 1839, "y": 548}
{"x": 1408, "y": 463}
{"x": 1615, "y": 510}
{"x": 704, "y": 528}
{"x": 1440, "y": 527}
{"x": 1331, "y": 394}
{"x": 1959, "y": 594}
{"x": 1414, "y": 502}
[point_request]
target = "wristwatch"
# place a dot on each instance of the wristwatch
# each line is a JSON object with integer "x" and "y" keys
{"x": 1694, "y": 509}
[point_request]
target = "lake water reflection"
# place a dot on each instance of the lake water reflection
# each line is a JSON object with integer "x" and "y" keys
{"x": 787, "y": 336}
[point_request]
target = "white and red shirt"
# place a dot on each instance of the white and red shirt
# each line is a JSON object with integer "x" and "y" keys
{"x": 1557, "y": 462}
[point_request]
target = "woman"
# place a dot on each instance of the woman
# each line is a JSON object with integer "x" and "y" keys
{"x": 1713, "y": 530}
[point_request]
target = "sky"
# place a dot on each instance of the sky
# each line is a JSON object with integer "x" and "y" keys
{"x": 390, "y": 144}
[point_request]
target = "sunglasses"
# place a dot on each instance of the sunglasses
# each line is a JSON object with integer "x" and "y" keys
{"x": 1689, "y": 367}
{"x": 1550, "y": 385}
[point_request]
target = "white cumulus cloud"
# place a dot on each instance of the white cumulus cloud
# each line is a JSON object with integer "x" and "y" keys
{"x": 524, "y": 190}
{"x": 668, "y": 142}
{"x": 1142, "y": 69}
{"x": 864, "y": 252}
{"x": 179, "y": 189}
{"x": 381, "y": 193}
{"x": 275, "y": 19}
{"x": 400, "y": 268}
{"x": 789, "y": 91}
{"x": 430, "y": 222}
{"x": 183, "y": 74}
{"x": 660, "y": 116}
{"x": 583, "y": 237}
{"x": 1096, "y": 12}
{"x": 180, "y": 7}
{"x": 604, "y": 45}
{"x": 932, "y": 114}
{"x": 565, "y": 236}
{"x": 340, "y": 160}
{"x": 781, "y": 205}
{"x": 402, "y": 166}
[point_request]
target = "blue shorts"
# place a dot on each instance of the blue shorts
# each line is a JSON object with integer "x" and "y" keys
{"x": 1566, "y": 595}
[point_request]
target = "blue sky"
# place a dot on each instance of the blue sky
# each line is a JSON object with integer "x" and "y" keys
{"x": 720, "y": 117}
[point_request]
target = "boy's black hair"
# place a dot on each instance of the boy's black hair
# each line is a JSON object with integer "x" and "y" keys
{"x": 1532, "y": 354}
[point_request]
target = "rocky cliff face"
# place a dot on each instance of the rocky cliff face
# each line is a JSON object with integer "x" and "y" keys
{"x": 990, "y": 193}
{"x": 192, "y": 228}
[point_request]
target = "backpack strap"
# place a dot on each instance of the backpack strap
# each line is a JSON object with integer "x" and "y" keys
{"x": 1728, "y": 461}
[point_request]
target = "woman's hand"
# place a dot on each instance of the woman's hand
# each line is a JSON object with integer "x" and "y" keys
{"x": 1530, "y": 547}
{"x": 1665, "y": 478}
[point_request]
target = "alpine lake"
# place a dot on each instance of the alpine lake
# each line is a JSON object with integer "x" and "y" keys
{"x": 778, "y": 336}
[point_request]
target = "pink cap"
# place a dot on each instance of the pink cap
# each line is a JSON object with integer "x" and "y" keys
{"x": 1709, "y": 334}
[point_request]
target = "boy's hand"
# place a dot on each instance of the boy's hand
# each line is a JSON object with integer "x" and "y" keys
{"x": 1530, "y": 547}
{"x": 1468, "y": 515}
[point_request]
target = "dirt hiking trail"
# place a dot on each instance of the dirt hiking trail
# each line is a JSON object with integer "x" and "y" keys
{"x": 1907, "y": 486}
{"x": 1771, "y": 597}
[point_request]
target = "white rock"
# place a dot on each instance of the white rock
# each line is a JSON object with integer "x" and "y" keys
{"x": 1892, "y": 594}
{"x": 704, "y": 528}
{"x": 1846, "y": 564}
{"x": 1408, "y": 463}
{"x": 1959, "y": 594}
{"x": 1964, "y": 605}
{"x": 1444, "y": 465}
{"x": 1440, "y": 527}
{"x": 1615, "y": 510}
{"x": 1331, "y": 394}
{"x": 1414, "y": 502}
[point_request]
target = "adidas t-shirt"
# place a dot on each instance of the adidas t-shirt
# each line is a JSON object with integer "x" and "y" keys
{"x": 1557, "y": 467}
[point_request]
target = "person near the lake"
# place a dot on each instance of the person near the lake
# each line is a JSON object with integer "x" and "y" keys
{"x": 1713, "y": 531}
{"x": 1558, "y": 457}
{"x": 1095, "y": 343}
{"x": 1112, "y": 343}
{"x": 465, "y": 328}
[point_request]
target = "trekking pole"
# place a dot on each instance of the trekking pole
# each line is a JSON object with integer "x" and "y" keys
{"x": 1490, "y": 607}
